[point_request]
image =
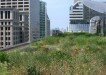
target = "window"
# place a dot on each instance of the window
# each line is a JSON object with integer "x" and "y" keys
{"x": 8, "y": 14}
{"x": 1, "y": 23}
{"x": 8, "y": 28}
{"x": 5, "y": 14}
{"x": 5, "y": 28}
{"x": 8, "y": 23}
{"x": 6, "y": 43}
{"x": 6, "y": 38}
{"x": 1, "y": 38}
{"x": 20, "y": 17}
{"x": 2, "y": 43}
{"x": 8, "y": 33}
{"x": 1, "y": 14}
{"x": 2, "y": 0}
{"x": 1, "y": 28}
{"x": 5, "y": 23}
{"x": 1, "y": 33}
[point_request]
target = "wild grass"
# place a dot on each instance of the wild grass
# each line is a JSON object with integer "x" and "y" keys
{"x": 65, "y": 54}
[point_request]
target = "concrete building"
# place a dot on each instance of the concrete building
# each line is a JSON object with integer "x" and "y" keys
{"x": 44, "y": 21}
{"x": 29, "y": 8}
{"x": 9, "y": 28}
{"x": 55, "y": 32}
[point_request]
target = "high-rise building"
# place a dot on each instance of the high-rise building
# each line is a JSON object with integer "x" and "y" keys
{"x": 88, "y": 16}
{"x": 47, "y": 29}
{"x": 26, "y": 7}
{"x": 44, "y": 21}
{"x": 77, "y": 22}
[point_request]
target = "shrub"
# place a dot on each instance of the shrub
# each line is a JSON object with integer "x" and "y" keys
{"x": 3, "y": 57}
{"x": 33, "y": 71}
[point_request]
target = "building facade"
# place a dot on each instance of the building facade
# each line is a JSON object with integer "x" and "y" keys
{"x": 23, "y": 26}
{"x": 29, "y": 8}
{"x": 85, "y": 14}
{"x": 44, "y": 21}
{"x": 9, "y": 28}
{"x": 77, "y": 21}
{"x": 28, "y": 21}
{"x": 95, "y": 12}
{"x": 47, "y": 29}
{"x": 55, "y": 32}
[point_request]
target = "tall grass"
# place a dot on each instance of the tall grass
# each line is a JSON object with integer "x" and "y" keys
{"x": 66, "y": 54}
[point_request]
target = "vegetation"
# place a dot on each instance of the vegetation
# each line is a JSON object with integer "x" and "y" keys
{"x": 65, "y": 54}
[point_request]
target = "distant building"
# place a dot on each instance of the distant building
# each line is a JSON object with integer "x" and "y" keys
{"x": 47, "y": 33}
{"x": 44, "y": 21}
{"x": 55, "y": 32}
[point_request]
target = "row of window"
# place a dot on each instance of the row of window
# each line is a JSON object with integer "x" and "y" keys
{"x": 6, "y": 33}
{"x": 5, "y": 23}
{"x": 6, "y": 38}
{"x": 7, "y": 14}
{"x": 3, "y": 4}
{"x": 20, "y": 8}
{"x": 6, "y": 43}
{"x": 13, "y": 0}
{"x": 6, "y": 28}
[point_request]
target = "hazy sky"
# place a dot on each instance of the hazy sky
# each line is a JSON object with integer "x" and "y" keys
{"x": 58, "y": 11}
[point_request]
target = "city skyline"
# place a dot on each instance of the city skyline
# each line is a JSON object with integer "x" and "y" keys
{"x": 58, "y": 12}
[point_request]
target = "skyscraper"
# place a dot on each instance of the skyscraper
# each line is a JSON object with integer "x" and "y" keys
{"x": 77, "y": 22}
{"x": 44, "y": 21}
{"x": 47, "y": 30}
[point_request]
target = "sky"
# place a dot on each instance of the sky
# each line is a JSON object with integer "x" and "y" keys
{"x": 58, "y": 12}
